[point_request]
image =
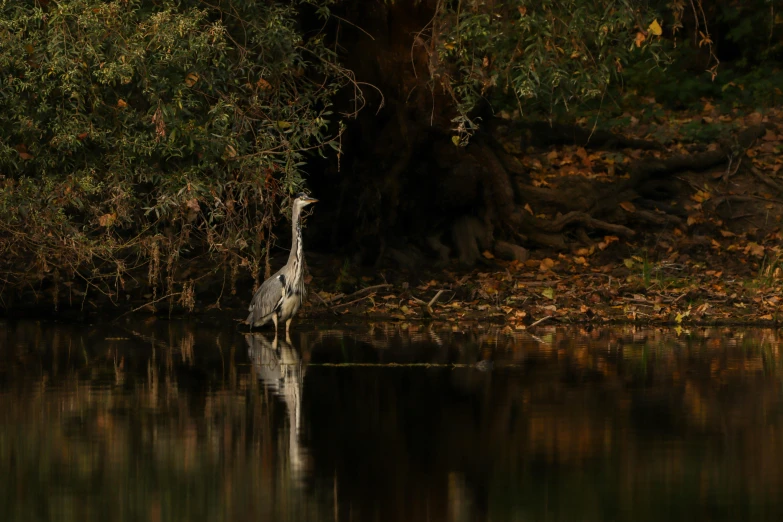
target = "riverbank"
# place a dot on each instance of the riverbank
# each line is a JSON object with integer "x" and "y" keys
{"x": 721, "y": 285}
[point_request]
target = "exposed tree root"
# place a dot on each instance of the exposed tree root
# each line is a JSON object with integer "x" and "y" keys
{"x": 767, "y": 180}
{"x": 483, "y": 198}
{"x": 651, "y": 183}
{"x": 583, "y": 219}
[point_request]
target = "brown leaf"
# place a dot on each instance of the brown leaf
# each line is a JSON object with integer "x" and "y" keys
{"x": 628, "y": 206}
{"x": 639, "y": 39}
{"x": 107, "y": 220}
{"x": 701, "y": 196}
{"x": 121, "y": 103}
{"x": 546, "y": 264}
{"x": 754, "y": 118}
{"x": 25, "y": 156}
{"x": 754, "y": 249}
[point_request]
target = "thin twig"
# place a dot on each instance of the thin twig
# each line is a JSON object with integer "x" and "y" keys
{"x": 417, "y": 300}
{"x": 353, "y": 24}
{"x": 432, "y": 301}
{"x": 324, "y": 303}
{"x": 147, "y": 304}
{"x": 354, "y": 301}
{"x": 360, "y": 292}
{"x": 335, "y": 297}
{"x": 540, "y": 321}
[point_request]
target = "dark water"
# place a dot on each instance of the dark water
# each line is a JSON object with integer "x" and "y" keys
{"x": 184, "y": 420}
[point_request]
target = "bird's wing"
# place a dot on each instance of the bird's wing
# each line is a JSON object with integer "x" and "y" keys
{"x": 267, "y": 299}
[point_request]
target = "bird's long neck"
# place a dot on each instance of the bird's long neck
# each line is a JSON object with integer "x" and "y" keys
{"x": 295, "y": 256}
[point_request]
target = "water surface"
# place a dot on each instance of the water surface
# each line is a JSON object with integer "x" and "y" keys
{"x": 194, "y": 420}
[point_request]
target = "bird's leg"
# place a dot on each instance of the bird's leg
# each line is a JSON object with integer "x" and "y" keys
{"x": 275, "y": 345}
{"x": 287, "y": 326}
{"x": 274, "y": 320}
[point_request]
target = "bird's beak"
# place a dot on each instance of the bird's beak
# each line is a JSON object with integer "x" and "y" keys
{"x": 311, "y": 200}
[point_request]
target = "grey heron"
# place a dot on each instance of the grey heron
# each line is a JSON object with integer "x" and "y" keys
{"x": 280, "y": 296}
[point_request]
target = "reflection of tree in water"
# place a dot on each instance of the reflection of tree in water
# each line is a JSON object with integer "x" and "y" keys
{"x": 586, "y": 424}
{"x": 161, "y": 421}
{"x": 166, "y": 420}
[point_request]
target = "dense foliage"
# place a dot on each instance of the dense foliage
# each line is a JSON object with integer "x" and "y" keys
{"x": 541, "y": 56}
{"x": 133, "y": 131}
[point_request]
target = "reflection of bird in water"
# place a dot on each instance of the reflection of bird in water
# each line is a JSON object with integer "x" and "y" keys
{"x": 279, "y": 366}
{"x": 280, "y": 296}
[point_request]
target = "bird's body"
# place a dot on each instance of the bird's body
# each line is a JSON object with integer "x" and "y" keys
{"x": 280, "y": 296}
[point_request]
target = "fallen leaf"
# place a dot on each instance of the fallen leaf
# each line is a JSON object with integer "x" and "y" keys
{"x": 681, "y": 315}
{"x": 754, "y": 249}
{"x": 546, "y": 264}
{"x": 628, "y": 206}
{"x": 548, "y": 293}
{"x": 121, "y": 103}
{"x": 701, "y": 196}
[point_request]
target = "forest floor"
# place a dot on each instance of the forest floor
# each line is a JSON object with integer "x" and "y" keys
{"x": 720, "y": 262}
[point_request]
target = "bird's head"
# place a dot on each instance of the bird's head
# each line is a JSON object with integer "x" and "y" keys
{"x": 303, "y": 200}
